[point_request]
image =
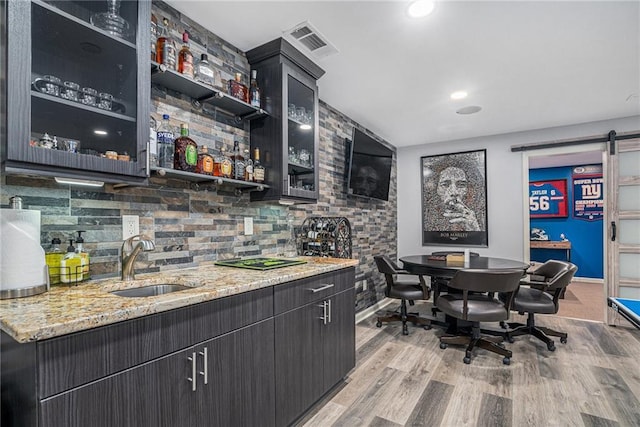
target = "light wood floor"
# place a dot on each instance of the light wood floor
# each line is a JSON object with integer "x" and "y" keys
{"x": 593, "y": 380}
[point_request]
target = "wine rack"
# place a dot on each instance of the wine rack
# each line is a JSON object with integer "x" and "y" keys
{"x": 325, "y": 237}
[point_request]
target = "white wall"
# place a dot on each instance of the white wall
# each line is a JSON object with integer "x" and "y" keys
{"x": 505, "y": 196}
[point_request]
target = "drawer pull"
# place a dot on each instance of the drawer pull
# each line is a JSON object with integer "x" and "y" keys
{"x": 324, "y": 312}
{"x": 322, "y": 288}
{"x": 329, "y": 310}
{"x": 205, "y": 373}
{"x": 192, "y": 359}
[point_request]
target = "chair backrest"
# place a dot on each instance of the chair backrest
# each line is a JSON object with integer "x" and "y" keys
{"x": 505, "y": 282}
{"x": 486, "y": 280}
{"x": 557, "y": 274}
{"x": 386, "y": 267}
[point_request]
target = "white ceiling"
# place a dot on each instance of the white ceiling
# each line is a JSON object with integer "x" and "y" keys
{"x": 529, "y": 65}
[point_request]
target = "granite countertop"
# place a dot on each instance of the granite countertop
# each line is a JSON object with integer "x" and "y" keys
{"x": 66, "y": 309}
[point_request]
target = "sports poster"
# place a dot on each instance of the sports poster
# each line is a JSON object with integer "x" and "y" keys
{"x": 588, "y": 202}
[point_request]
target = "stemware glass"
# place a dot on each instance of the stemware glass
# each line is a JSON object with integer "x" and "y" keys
{"x": 111, "y": 21}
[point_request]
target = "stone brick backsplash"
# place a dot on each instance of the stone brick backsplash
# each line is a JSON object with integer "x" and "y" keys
{"x": 192, "y": 224}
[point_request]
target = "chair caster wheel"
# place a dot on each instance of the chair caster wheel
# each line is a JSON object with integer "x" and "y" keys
{"x": 466, "y": 360}
{"x": 503, "y": 325}
{"x": 563, "y": 340}
{"x": 551, "y": 346}
{"x": 379, "y": 324}
{"x": 511, "y": 340}
{"x": 506, "y": 361}
{"x": 500, "y": 344}
{"x": 405, "y": 330}
{"x": 443, "y": 345}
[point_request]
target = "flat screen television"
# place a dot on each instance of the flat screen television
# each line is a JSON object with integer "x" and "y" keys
{"x": 370, "y": 164}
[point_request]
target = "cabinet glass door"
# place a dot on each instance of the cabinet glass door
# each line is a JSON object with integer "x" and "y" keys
{"x": 301, "y": 123}
{"x": 80, "y": 85}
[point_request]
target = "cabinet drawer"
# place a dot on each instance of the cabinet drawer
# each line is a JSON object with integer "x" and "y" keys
{"x": 72, "y": 360}
{"x": 300, "y": 292}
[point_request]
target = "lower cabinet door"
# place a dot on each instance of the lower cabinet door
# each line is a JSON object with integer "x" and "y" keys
{"x": 299, "y": 366}
{"x": 155, "y": 394}
{"x": 240, "y": 388}
{"x": 339, "y": 338}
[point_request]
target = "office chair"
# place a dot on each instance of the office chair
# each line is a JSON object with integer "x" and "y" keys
{"x": 546, "y": 284}
{"x": 404, "y": 290}
{"x": 478, "y": 303}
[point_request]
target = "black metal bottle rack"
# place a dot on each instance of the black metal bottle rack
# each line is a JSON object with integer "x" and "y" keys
{"x": 325, "y": 237}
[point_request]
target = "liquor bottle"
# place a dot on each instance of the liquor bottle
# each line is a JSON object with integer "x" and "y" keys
{"x": 258, "y": 169}
{"x": 166, "y": 52}
{"x": 165, "y": 143}
{"x": 226, "y": 166}
{"x": 185, "y": 57}
{"x": 185, "y": 157}
{"x": 205, "y": 161}
{"x": 248, "y": 166}
{"x": 204, "y": 71}
{"x": 238, "y": 162}
{"x": 237, "y": 89}
{"x": 154, "y": 36}
{"x": 254, "y": 90}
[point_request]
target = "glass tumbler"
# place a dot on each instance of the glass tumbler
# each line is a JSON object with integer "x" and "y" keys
{"x": 48, "y": 84}
{"x": 106, "y": 101}
{"x": 70, "y": 91}
{"x": 89, "y": 96}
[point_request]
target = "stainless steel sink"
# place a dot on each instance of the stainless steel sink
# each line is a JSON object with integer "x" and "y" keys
{"x": 150, "y": 291}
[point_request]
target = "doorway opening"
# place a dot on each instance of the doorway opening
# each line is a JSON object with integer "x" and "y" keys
{"x": 570, "y": 227}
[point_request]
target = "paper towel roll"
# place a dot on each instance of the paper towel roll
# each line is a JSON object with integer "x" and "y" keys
{"x": 22, "y": 260}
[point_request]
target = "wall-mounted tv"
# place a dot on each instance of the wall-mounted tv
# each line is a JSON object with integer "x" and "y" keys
{"x": 369, "y": 167}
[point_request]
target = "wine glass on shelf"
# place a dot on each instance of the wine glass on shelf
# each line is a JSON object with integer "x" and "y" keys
{"x": 111, "y": 21}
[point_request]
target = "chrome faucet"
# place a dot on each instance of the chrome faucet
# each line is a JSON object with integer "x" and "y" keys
{"x": 129, "y": 254}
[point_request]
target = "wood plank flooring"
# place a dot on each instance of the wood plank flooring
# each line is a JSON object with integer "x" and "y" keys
{"x": 593, "y": 380}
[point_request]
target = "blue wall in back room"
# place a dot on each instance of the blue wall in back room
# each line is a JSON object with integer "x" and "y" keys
{"x": 585, "y": 236}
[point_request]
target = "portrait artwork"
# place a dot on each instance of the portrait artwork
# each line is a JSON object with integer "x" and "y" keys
{"x": 454, "y": 199}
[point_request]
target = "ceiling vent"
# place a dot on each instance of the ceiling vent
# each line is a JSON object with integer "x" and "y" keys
{"x": 309, "y": 40}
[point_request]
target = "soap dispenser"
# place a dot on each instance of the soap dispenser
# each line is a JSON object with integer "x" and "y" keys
{"x": 70, "y": 266}
{"x": 53, "y": 258}
{"x": 84, "y": 256}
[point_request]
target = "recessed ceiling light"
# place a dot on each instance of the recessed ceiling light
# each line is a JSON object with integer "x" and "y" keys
{"x": 459, "y": 95}
{"x": 420, "y": 8}
{"x": 471, "y": 109}
{"x": 305, "y": 127}
{"x": 100, "y": 132}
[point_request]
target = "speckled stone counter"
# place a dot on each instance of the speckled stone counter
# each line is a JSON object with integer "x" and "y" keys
{"x": 66, "y": 309}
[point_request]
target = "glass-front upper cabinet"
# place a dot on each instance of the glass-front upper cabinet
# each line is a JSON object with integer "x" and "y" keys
{"x": 78, "y": 89}
{"x": 288, "y": 135}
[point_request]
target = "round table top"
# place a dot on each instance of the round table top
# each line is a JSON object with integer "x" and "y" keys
{"x": 421, "y": 264}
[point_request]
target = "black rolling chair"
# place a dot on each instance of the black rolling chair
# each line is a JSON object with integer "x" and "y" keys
{"x": 404, "y": 290}
{"x": 478, "y": 303}
{"x": 546, "y": 284}
{"x": 439, "y": 284}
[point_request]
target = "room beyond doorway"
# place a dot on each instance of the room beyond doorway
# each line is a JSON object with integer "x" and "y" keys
{"x": 586, "y": 297}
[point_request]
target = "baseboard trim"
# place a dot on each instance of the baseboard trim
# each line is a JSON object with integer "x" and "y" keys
{"x": 588, "y": 280}
{"x": 371, "y": 310}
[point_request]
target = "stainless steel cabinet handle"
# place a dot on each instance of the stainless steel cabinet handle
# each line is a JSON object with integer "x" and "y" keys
{"x": 329, "y": 310}
{"x": 322, "y": 288}
{"x": 205, "y": 373}
{"x": 192, "y": 359}
{"x": 324, "y": 312}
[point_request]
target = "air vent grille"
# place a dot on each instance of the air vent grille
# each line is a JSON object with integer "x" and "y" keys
{"x": 309, "y": 39}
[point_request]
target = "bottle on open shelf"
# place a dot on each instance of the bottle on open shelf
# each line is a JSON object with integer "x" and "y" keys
{"x": 185, "y": 157}
{"x": 254, "y": 90}
{"x": 237, "y": 89}
{"x": 258, "y": 169}
{"x": 165, "y": 139}
{"x": 185, "y": 57}
{"x": 166, "y": 52}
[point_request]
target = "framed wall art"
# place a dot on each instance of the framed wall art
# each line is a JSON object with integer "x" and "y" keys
{"x": 548, "y": 199}
{"x": 454, "y": 199}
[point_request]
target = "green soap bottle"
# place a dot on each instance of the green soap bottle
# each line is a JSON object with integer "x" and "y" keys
{"x": 53, "y": 258}
{"x": 84, "y": 256}
{"x": 70, "y": 266}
